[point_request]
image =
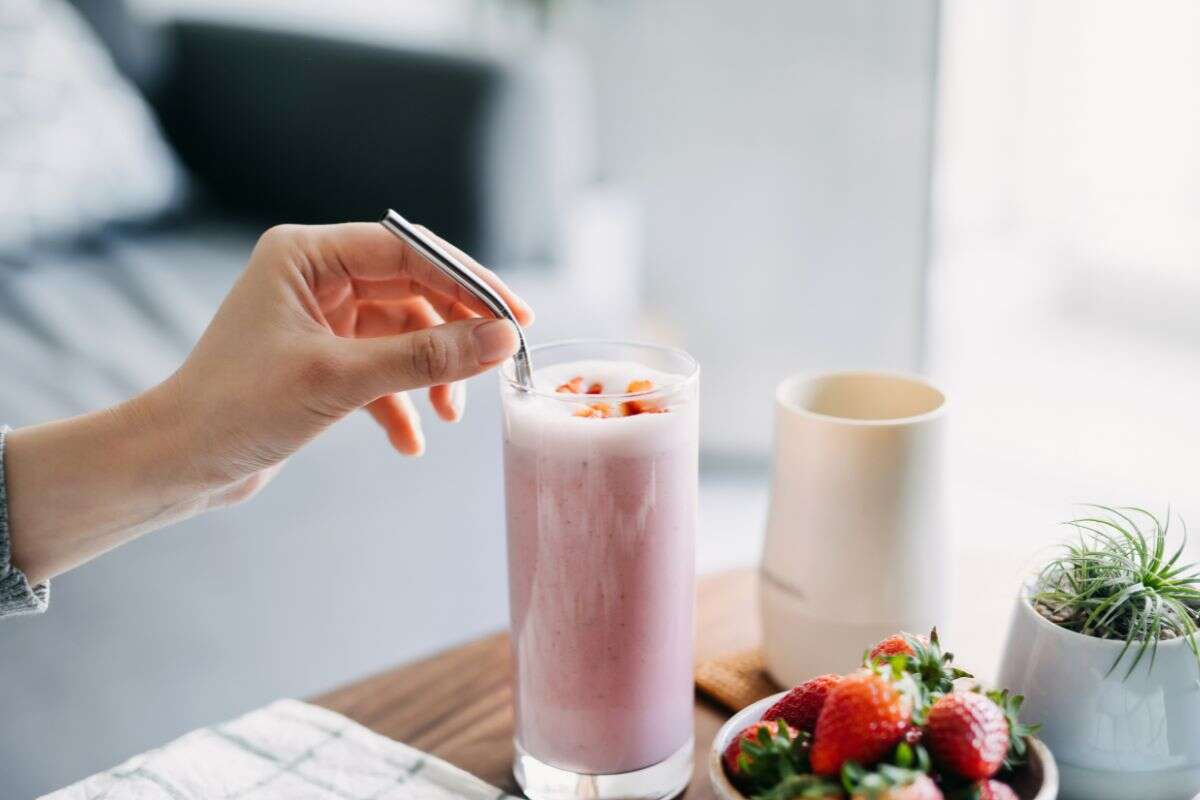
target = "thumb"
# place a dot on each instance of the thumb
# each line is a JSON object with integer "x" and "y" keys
{"x": 442, "y": 354}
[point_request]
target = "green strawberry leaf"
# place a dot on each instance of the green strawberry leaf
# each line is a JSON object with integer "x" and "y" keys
{"x": 878, "y": 782}
{"x": 1018, "y": 732}
{"x": 800, "y": 786}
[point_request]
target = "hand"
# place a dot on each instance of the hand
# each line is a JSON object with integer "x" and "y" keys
{"x": 326, "y": 320}
{"x": 323, "y": 321}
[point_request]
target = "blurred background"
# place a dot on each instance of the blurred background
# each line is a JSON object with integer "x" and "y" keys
{"x": 1001, "y": 195}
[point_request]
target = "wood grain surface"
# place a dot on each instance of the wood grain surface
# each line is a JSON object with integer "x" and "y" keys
{"x": 457, "y": 705}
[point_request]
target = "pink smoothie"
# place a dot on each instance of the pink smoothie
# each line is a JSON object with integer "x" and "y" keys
{"x": 601, "y": 529}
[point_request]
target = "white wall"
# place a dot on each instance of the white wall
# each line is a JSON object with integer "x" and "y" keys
{"x": 781, "y": 151}
{"x": 1066, "y": 279}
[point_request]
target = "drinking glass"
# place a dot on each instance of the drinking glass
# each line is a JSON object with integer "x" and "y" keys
{"x": 601, "y": 518}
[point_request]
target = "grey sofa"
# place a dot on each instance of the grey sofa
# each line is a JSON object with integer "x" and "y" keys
{"x": 354, "y": 558}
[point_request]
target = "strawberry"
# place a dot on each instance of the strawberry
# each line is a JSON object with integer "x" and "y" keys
{"x": 967, "y": 734}
{"x": 896, "y": 645}
{"x": 922, "y": 788}
{"x": 631, "y": 408}
{"x": 863, "y": 717}
{"x": 889, "y": 782}
{"x": 601, "y": 410}
{"x": 802, "y": 705}
{"x": 992, "y": 790}
{"x": 573, "y": 386}
{"x": 923, "y": 658}
{"x": 738, "y": 763}
{"x": 803, "y": 786}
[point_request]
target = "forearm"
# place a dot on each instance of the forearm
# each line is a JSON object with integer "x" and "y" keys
{"x": 82, "y": 486}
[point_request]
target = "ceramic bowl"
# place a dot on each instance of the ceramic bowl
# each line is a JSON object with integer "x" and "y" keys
{"x": 1036, "y": 780}
{"x": 1115, "y": 735}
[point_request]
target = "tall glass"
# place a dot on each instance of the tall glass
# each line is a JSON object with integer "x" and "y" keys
{"x": 601, "y": 562}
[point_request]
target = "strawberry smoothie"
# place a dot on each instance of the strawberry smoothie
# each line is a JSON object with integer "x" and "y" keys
{"x": 601, "y": 523}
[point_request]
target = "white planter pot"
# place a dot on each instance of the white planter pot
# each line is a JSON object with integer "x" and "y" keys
{"x": 856, "y": 510}
{"x": 1114, "y": 738}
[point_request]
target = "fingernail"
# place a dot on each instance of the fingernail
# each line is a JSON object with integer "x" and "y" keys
{"x": 494, "y": 340}
{"x": 458, "y": 398}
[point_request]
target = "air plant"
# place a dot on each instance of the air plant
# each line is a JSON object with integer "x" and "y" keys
{"x": 1118, "y": 582}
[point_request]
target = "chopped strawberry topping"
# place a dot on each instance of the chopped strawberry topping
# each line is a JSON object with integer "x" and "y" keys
{"x": 573, "y": 386}
{"x": 600, "y": 410}
{"x": 628, "y": 408}
{"x": 631, "y": 408}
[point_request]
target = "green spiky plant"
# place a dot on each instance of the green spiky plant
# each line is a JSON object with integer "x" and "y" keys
{"x": 1119, "y": 582}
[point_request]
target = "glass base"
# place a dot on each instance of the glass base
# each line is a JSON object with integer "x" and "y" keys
{"x": 660, "y": 781}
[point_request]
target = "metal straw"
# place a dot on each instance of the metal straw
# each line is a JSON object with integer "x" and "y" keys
{"x": 464, "y": 277}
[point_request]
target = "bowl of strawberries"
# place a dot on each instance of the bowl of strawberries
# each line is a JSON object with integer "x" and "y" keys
{"x": 908, "y": 725}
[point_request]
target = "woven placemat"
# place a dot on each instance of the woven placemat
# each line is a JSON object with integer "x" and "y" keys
{"x": 735, "y": 680}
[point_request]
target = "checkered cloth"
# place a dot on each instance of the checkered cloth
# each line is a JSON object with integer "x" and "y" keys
{"x": 289, "y": 750}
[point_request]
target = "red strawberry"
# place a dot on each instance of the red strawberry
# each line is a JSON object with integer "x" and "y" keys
{"x": 967, "y": 734}
{"x": 895, "y": 645}
{"x": 734, "y": 750}
{"x": 921, "y": 788}
{"x": 863, "y": 718}
{"x": 994, "y": 790}
{"x": 801, "y": 706}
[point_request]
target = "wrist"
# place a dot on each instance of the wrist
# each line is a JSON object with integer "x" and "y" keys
{"x": 157, "y": 436}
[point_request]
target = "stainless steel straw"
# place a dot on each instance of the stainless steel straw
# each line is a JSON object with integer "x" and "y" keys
{"x": 464, "y": 277}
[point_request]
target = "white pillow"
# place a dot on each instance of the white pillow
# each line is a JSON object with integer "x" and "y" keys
{"x": 79, "y": 147}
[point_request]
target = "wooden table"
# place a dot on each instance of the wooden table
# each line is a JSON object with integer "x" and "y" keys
{"x": 458, "y": 704}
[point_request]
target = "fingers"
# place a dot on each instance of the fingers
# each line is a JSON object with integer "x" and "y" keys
{"x": 388, "y": 319}
{"x": 396, "y": 414}
{"x": 384, "y": 319}
{"x": 375, "y": 319}
{"x": 443, "y": 354}
{"x": 368, "y": 253}
{"x": 450, "y": 400}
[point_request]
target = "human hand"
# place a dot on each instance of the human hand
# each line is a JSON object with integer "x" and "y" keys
{"x": 323, "y": 321}
{"x": 326, "y": 320}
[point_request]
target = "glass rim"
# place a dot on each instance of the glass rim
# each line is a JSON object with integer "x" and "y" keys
{"x": 507, "y": 373}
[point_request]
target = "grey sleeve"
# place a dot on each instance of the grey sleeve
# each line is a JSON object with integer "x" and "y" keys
{"x": 16, "y": 595}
